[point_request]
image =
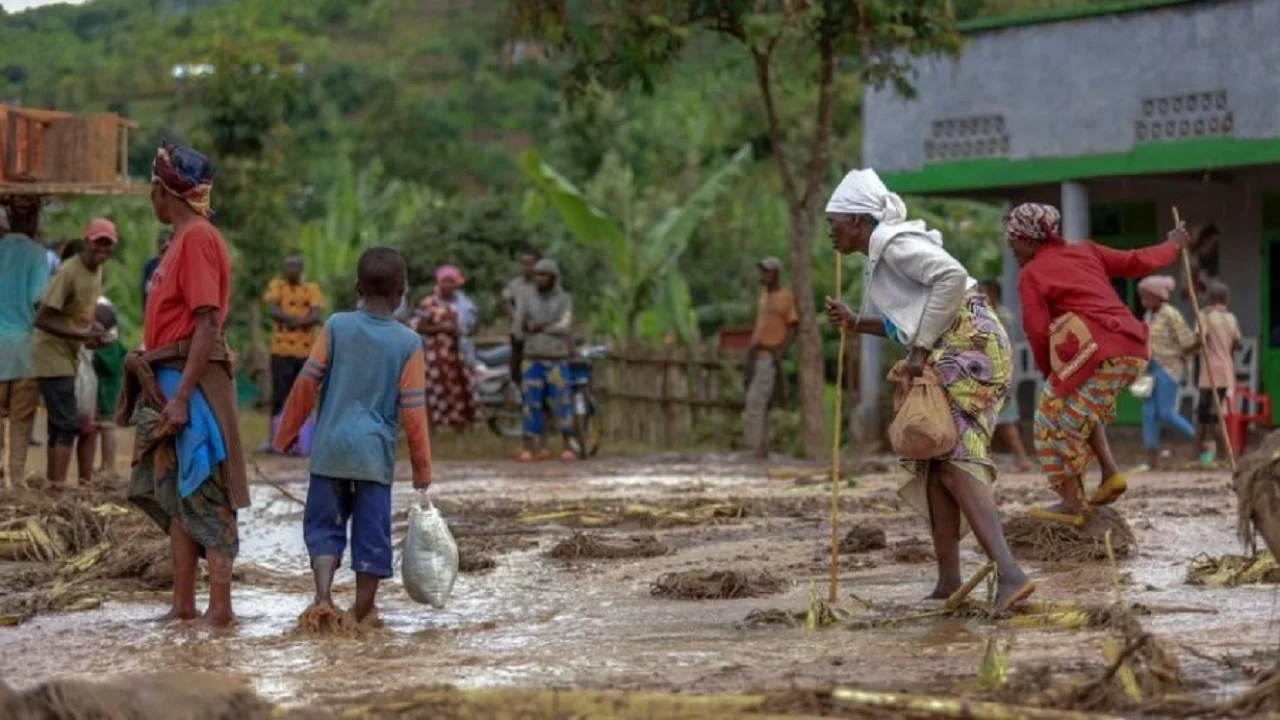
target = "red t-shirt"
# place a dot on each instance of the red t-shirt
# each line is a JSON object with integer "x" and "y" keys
{"x": 195, "y": 273}
{"x": 1076, "y": 278}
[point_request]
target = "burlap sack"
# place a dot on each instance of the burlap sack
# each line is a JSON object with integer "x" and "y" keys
{"x": 922, "y": 427}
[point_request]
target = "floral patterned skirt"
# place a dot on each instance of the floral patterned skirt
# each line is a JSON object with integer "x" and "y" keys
{"x": 974, "y": 361}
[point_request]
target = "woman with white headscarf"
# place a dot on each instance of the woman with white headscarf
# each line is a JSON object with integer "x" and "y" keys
{"x": 918, "y": 295}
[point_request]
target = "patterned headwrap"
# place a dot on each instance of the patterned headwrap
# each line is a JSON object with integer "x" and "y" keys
{"x": 186, "y": 174}
{"x": 1038, "y": 223}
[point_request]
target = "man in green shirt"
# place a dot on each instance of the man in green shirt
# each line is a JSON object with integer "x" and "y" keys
{"x": 65, "y": 323}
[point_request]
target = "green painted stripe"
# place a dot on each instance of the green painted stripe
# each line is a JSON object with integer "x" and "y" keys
{"x": 1145, "y": 159}
{"x": 1064, "y": 14}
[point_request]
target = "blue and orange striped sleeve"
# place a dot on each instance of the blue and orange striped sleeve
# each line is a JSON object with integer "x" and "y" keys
{"x": 302, "y": 398}
{"x": 413, "y": 416}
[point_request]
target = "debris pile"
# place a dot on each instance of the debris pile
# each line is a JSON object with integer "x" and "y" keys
{"x": 863, "y": 539}
{"x": 581, "y": 546}
{"x": 714, "y": 585}
{"x": 1044, "y": 540}
{"x": 72, "y": 546}
{"x": 1233, "y": 570}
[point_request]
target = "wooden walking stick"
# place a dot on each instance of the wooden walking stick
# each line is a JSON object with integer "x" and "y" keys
{"x": 834, "y": 581}
{"x": 1204, "y": 347}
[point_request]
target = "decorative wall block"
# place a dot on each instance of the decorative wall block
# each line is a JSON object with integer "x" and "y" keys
{"x": 1184, "y": 117}
{"x": 967, "y": 138}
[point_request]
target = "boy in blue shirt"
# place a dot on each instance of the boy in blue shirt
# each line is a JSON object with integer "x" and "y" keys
{"x": 366, "y": 376}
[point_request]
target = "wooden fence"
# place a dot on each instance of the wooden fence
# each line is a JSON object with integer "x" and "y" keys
{"x": 669, "y": 397}
{"x": 676, "y": 397}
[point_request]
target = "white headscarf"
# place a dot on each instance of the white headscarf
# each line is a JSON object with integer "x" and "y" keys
{"x": 863, "y": 193}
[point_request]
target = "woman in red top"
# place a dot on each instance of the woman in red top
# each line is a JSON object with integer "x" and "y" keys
{"x": 189, "y": 472}
{"x": 1088, "y": 345}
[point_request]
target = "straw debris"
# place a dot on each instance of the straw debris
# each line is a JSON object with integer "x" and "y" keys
{"x": 1233, "y": 570}
{"x": 1041, "y": 540}
{"x": 82, "y": 543}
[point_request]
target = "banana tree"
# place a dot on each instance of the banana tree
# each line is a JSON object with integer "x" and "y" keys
{"x": 361, "y": 210}
{"x": 648, "y": 296}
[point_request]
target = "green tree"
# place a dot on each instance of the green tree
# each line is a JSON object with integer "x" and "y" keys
{"x": 628, "y": 42}
{"x": 648, "y": 295}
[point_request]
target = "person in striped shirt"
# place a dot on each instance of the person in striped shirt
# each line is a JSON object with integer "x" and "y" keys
{"x": 365, "y": 377}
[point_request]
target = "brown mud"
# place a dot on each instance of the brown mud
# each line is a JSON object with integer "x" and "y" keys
{"x": 531, "y": 620}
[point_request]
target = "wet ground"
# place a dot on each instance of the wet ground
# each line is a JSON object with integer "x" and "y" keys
{"x": 535, "y": 620}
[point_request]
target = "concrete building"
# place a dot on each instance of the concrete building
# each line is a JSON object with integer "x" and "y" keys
{"x": 1116, "y": 116}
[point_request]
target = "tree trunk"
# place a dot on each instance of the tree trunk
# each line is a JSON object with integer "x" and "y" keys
{"x": 809, "y": 338}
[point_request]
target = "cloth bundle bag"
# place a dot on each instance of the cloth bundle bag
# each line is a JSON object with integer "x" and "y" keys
{"x": 922, "y": 427}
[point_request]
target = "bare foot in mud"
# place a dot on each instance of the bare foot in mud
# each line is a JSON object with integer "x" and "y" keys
{"x": 176, "y": 615}
{"x": 1013, "y": 591}
{"x": 219, "y": 621}
{"x": 943, "y": 591}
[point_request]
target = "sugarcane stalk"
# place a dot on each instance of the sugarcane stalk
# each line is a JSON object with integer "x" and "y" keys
{"x": 833, "y": 585}
{"x": 1204, "y": 346}
{"x": 952, "y": 707}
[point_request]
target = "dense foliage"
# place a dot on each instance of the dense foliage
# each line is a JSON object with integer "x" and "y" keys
{"x": 340, "y": 124}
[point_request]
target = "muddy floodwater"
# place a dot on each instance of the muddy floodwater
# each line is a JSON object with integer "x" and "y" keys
{"x": 521, "y": 617}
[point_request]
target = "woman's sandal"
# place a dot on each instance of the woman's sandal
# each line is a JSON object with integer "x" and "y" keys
{"x": 524, "y": 456}
{"x": 1110, "y": 490}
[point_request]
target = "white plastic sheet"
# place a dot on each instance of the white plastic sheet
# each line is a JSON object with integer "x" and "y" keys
{"x": 430, "y": 563}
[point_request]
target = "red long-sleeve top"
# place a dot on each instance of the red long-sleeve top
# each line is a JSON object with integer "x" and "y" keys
{"x": 1076, "y": 278}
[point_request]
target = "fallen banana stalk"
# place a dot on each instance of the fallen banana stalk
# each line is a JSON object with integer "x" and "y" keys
{"x": 85, "y": 560}
{"x": 1111, "y": 653}
{"x": 952, "y": 707}
{"x": 958, "y": 596}
{"x": 29, "y": 542}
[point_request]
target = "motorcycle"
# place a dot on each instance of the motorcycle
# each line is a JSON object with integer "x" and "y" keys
{"x": 500, "y": 396}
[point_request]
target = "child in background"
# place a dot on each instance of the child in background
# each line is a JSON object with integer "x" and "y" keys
{"x": 108, "y": 365}
{"x": 1217, "y": 369}
{"x": 366, "y": 373}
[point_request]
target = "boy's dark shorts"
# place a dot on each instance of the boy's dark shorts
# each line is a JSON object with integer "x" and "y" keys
{"x": 65, "y": 423}
{"x": 331, "y": 503}
{"x": 1206, "y": 414}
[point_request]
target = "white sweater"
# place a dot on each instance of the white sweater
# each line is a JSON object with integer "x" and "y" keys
{"x": 912, "y": 281}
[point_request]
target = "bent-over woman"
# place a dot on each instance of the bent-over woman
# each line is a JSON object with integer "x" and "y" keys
{"x": 1088, "y": 345}
{"x": 917, "y": 294}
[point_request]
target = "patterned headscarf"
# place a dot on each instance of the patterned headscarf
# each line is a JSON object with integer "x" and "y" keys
{"x": 1041, "y": 224}
{"x": 186, "y": 174}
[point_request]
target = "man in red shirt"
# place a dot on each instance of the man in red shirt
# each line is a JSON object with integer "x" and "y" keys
{"x": 1088, "y": 345}
{"x": 181, "y": 392}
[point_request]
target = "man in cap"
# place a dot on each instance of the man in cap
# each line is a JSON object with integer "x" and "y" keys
{"x": 775, "y": 330}
{"x": 24, "y": 273}
{"x": 543, "y": 324}
{"x": 64, "y": 324}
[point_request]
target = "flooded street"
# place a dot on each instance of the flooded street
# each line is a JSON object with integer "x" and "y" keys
{"x": 533, "y": 620}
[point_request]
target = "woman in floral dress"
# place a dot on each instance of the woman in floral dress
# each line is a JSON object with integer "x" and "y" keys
{"x": 450, "y": 387}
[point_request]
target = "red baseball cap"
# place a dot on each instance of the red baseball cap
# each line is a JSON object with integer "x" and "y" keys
{"x": 101, "y": 229}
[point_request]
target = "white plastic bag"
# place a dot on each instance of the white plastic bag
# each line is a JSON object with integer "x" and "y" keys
{"x": 86, "y": 385}
{"x": 430, "y": 562}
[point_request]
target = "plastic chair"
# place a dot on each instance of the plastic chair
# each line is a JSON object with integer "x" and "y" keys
{"x": 1236, "y": 408}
